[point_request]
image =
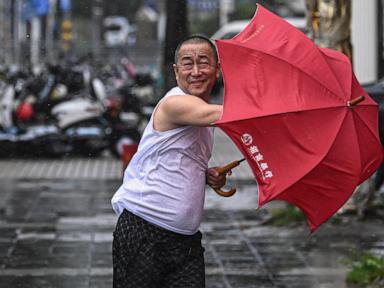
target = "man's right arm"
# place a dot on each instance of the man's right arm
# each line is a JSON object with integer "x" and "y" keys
{"x": 177, "y": 111}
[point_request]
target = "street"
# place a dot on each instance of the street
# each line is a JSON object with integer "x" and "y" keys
{"x": 56, "y": 230}
{"x": 79, "y": 81}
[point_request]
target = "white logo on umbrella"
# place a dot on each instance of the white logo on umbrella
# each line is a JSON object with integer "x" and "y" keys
{"x": 256, "y": 155}
{"x": 247, "y": 139}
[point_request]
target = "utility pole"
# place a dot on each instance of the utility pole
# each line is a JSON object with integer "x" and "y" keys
{"x": 5, "y": 33}
{"x": 380, "y": 15}
{"x": 50, "y": 31}
{"x": 162, "y": 21}
{"x": 18, "y": 31}
{"x": 35, "y": 40}
{"x": 97, "y": 16}
{"x": 226, "y": 7}
{"x": 37, "y": 11}
{"x": 2, "y": 16}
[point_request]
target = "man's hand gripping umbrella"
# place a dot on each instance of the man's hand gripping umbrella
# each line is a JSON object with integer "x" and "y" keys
{"x": 224, "y": 170}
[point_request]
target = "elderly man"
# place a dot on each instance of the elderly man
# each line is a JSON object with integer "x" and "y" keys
{"x": 160, "y": 203}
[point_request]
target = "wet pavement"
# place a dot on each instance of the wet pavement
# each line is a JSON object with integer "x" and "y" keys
{"x": 56, "y": 231}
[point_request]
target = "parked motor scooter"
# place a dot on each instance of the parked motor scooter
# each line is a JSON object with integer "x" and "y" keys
{"x": 17, "y": 137}
{"x": 82, "y": 120}
{"x": 89, "y": 124}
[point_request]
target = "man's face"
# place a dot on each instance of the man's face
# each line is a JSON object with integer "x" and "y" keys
{"x": 196, "y": 70}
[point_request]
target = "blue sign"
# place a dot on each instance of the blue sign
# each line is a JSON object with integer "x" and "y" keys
{"x": 35, "y": 8}
{"x": 65, "y": 5}
{"x": 41, "y": 7}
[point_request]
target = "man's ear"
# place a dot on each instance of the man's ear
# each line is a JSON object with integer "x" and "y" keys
{"x": 218, "y": 69}
{"x": 175, "y": 70}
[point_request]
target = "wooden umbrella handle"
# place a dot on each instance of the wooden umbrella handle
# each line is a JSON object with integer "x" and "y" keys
{"x": 223, "y": 170}
{"x": 226, "y": 193}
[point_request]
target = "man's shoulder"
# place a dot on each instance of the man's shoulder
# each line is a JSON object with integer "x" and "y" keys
{"x": 175, "y": 91}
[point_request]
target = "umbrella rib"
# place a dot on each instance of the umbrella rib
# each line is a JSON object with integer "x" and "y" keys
{"x": 333, "y": 72}
{"x": 289, "y": 112}
{"x": 365, "y": 124}
{"x": 357, "y": 140}
{"x": 369, "y": 129}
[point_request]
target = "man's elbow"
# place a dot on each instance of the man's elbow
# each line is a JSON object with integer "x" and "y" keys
{"x": 213, "y": 115}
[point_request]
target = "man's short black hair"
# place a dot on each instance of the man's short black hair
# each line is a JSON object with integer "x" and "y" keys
{"x": 197, "y": 39}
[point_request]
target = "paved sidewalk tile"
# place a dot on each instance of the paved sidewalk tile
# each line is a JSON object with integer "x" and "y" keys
{"x": 58, "y": 233}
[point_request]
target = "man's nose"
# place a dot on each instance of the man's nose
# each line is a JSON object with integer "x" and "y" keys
{"x": 196, "y": 68}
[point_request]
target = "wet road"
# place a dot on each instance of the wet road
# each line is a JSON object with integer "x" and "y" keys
{"x": 56, "y": 231}
{"x": 58, "y": 234}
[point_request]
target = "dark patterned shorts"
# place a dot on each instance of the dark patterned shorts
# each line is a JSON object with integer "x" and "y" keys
{"x": 145, "y": 255}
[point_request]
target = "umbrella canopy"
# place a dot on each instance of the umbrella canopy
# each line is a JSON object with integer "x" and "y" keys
{"x": 287, "y": 107}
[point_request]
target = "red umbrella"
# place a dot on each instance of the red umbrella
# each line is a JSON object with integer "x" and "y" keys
{"x": 305, "y": 126}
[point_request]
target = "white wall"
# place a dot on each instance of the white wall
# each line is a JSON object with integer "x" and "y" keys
{"x": 364, "y": 40}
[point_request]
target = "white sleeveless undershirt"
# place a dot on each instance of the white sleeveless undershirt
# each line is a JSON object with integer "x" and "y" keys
{"x": 165, "y": 180}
